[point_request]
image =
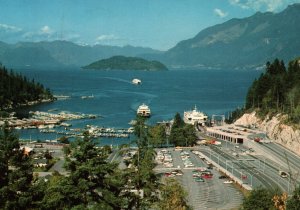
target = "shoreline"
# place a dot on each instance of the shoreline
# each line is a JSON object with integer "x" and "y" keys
{"x": 12, "y": 108}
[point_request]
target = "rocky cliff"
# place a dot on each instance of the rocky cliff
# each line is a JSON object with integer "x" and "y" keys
{"x": 275, "y": 129}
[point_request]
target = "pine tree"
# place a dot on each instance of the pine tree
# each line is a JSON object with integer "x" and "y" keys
{"x": 15, "y": 172}
{"x": 92, "y": 183}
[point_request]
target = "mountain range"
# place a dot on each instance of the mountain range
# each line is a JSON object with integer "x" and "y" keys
{"x": 248, "y": 42}
{"x": 238, "y": 43}
{"x": 61, "y": 54}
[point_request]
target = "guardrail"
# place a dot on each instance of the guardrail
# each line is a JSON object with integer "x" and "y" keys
{"x": 230, "y": 175}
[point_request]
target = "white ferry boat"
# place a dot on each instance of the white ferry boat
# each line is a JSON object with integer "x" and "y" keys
{"x": 143, "y": 111}
{"x": 136, "y": 81}
{"x": 194, "y": 116}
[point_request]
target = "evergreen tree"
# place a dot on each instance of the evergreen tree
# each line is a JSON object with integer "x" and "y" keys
{"x": 277, "y": 90}
{"x": 157, "y": 135}
{"x": 178, "y": 122}
{"x": 182, "y": 134}
{"x": 15, "y": 172}
{"x": 16, "y": 89}
{"x": 259, "y": 199}
{"x": 293, "y": 203}
{"x": 142, "y": 177}
{"x": 92, "y": 183}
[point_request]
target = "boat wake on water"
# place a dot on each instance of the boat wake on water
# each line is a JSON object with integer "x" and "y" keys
{"x": 118, "y": 79}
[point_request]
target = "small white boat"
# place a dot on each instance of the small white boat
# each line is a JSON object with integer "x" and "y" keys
{"x": 136, "y": 81}
{"x": 143, "y": 111}
{"x": 87, "y": 97}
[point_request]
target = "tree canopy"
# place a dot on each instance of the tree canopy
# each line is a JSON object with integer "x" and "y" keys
{"x": 15, "y": 172}
{"x": 16, "y": 89}
{"x": 182, "y": 134}
{"x": 126, "y": 63}
{"x": 277, "y": 90}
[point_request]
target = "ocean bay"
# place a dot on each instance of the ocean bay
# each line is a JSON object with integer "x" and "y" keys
{"x": 116, "y": 99}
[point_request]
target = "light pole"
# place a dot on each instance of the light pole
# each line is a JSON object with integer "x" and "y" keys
{"x": 226, "y": 163}
{"x": 251, "y": 179}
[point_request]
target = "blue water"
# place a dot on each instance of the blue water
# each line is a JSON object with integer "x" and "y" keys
{"x": 116, "y": 99}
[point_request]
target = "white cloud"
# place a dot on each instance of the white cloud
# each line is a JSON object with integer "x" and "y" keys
{"x": 109, "y": 39}
{"x": 46, "y": 30}
{"x": 263, "y": 5}
{"x": 106, "y": 37}
{"x": 9, "y": 28}
{"x": 220, "y": 13}
{"x": 44, "y": 33}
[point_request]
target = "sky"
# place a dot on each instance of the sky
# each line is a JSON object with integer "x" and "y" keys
{"x": 159, "y": 24}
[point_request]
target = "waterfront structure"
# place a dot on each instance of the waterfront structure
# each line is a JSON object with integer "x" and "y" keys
{"x": 143, "y": 110}
{"x": 194, "y": 117}
{"x": 227, "y": 133}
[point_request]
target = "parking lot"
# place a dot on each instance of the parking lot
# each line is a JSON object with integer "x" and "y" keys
{"x": 204, "y": 191}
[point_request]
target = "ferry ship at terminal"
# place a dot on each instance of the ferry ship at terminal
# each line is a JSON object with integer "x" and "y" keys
{"x": 194, "y": 117}
{"x": 143, "y": 111}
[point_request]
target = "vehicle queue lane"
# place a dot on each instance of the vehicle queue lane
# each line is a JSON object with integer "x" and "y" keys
{"x": 267, "y": 164}
{"x": 257, "y": 174}
{"x": 292, "y": 160}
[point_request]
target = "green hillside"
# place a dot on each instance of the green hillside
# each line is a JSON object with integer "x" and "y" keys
{"x": 126, "y": 63}
{"x": 275, "y": 91}
{"x": 16, "y": 90}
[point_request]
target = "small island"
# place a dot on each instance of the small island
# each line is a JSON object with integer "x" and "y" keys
{"x": 126, "y": 63}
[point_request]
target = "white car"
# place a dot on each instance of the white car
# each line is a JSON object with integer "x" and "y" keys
{"x": 228, "y": 182}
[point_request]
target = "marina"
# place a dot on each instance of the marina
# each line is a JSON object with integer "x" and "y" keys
{"x": 54, "y": 123}
{"x": 41, "y": 120}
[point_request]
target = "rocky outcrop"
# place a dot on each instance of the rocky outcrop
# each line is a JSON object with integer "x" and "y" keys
{"x": 274, "y": 128}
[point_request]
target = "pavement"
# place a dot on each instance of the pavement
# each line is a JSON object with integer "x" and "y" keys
{"x": 210, "y": 194}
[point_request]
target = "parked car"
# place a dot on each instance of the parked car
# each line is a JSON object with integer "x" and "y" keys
{"x": 199, "y": 179}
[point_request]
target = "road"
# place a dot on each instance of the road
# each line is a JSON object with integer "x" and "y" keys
{"x": 259, "y": 169}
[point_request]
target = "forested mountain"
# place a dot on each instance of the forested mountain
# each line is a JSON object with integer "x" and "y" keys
{"x": 247, "y": 42}
{"x": 16, "y": 90}
{"x": 277, "y": 91}
{"x": 126, "y": 63}
{"x": 61, "y": 53}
